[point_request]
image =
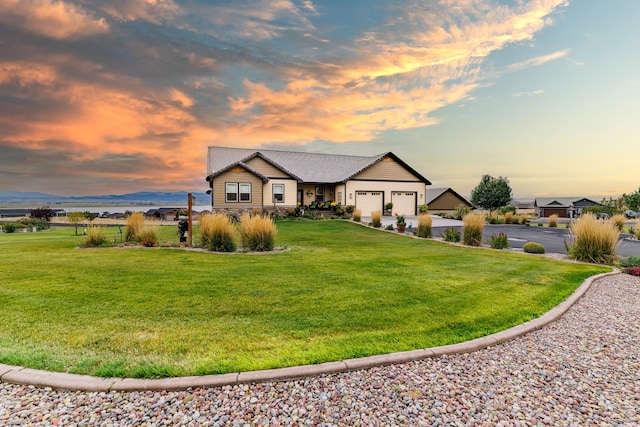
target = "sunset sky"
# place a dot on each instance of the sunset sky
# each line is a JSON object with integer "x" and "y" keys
{"x": 118, "y": 96}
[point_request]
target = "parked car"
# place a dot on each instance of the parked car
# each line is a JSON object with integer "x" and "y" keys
{"x": 631, "y": 214}
{"x": 602, "y": 215}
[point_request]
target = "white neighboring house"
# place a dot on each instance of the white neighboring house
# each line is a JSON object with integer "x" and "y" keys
{"x": 241, "y": 179}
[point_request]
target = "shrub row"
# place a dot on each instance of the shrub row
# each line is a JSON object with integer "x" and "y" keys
{"x": 218, "y": 232}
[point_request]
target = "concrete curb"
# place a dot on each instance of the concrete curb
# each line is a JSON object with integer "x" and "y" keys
{"x": 58, "y": 380}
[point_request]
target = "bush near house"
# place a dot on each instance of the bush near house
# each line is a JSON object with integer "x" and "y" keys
{"x": 376, "y": 219}
{"x": 217, "y": 232}
{"x": 593, "y": 240}
{"x": 553, "y": 220}
{"x": 451, "y": 235}
{"x": 619, "y": 220}
{"x": 424, "y": 226}
{"x": 257, "y": 232}
{"x": 634, "y": 271}
{"x": 632, "y": 261}
{"x": 533, "y": 248}
{"x": 499, "y": 241}
{"x": 357, "y": 215}
{"x": 472, "y": 227}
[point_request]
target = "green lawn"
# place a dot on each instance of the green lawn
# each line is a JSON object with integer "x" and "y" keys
{"x": 341, "y": 291}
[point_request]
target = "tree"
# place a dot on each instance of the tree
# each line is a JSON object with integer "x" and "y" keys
{"x": 491, "y": 193}
{"x": 44, "y": 212}
{"x": 75, "y": 218}
{"x": 632, "y": 200}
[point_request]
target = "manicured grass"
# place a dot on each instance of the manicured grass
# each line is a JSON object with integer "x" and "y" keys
{"x": 341, "y": 291}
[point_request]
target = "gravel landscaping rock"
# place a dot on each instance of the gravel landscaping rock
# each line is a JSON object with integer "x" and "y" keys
{"x": 581, "y": 370}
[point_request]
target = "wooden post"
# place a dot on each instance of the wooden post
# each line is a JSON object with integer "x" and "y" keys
{"x": 190, "y": 221}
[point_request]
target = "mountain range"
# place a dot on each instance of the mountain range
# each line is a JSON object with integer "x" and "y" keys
{"x": 141, "y": 197}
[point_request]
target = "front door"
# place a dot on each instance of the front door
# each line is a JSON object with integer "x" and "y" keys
{"x": 300, "y": 198}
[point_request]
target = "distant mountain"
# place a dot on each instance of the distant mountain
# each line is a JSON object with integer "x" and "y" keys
{"x": 142, "y": 197}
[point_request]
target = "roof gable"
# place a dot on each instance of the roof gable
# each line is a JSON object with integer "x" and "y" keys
{"x": 305, "y": 167}
{"x": 433, "y": 194}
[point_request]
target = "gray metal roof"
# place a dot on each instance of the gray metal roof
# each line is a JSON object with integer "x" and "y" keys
{"x": 559, "y": 202}
{"x": 306, "y": 167}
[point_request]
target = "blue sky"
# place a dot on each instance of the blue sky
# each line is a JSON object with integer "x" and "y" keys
{"x": 122, "y": 96}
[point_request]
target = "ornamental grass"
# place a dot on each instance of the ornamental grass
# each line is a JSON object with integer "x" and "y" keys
{"x": 472, "y": 226}
{"x": 424, "y": 226}
{"x": 135, "y": 223}
{"x": 376, "y": 219}
{"x": 593, "y": 240}
{"x": 553, "y": 221}
{"x": 510, "y": 218}
{"x": 619, "y": 221}
{"x": 357, "y": 215}
{"x": 257, "y": 232}
{"x": 96, "y": 236}
{"x": 217, "y": 232}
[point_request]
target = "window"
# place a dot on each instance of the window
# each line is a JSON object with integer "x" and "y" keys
{"x": 319, "y": 194}
{"x": 278, "y": 193}
{"x": 238, "y": 192}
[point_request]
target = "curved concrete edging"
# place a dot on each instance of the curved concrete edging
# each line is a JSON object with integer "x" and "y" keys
{"x": 58, "y": 380}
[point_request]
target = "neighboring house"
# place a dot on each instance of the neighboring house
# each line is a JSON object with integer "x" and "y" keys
{"x": 20, "y": 213}
{"x": 564, "y": 207}
{"x": 445, "y": 200}
{"x": 167, "y": 214}
{"x": 523, "y": 207}
{"x": 242, "y": 179}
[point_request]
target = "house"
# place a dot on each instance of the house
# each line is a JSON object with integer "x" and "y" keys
{"x": 242, "y": 179}
{"x": 167, "y": 214}
{"x": 564, "y": 207}
{"x": 445, "y": 200}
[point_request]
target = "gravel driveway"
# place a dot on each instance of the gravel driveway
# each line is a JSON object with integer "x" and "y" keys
{"x": 581, "y": 370}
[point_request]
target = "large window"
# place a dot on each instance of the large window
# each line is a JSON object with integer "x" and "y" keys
{"x": 319, "y": 194}
{"x": 278, "y": 193}
{"x": 238, "y": 192}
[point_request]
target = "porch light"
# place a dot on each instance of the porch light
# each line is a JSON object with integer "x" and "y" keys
{"x": 351, "y": 195}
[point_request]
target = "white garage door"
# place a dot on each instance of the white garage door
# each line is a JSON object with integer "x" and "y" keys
{"x": 368, "y": 201}
{"x": 404, "y": 202}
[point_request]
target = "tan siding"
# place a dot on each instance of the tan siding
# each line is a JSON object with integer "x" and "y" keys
{"x": 446, "y": 201}
{"x": 237, "y": 175}
{"x": 266, "y": 169}
{"x": 387, "y": 170}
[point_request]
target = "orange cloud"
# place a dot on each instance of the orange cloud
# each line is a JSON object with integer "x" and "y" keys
{"x": 49, "y": 18}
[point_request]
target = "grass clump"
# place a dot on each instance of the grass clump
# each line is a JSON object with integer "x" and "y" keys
{"x": 451, "y": 235}
{"x": 376, "y": 219}
{"x": 619, "y": 221}
{"x": 472, "y": 227}
{"x": 424, "y": 226}
{"x": 257, "y": 232}
{"x": 593, "y": 241}
{"x": 147, "y": 235}
{"x": 217, "y": 232}
{"x": 135, "y": 223}
{"x": 510, "y": 218}
{"x": 533, "y": 248}
{"x": 96, "y": 237}
{"x": 357, "y": 215}
{"x": 499, "y": 241}
{"x": 553, "y": 221}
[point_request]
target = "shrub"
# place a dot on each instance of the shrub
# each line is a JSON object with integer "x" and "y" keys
{"x": 147, "y": 235}
{"x": 96, "y": 236}
{"x": 357, "y": 215}
{"x": 499, "y": 241}
{"x": 533, "y": 248}
{"x": 523, "y": 219}
{"x": 257, "y": 232}
{"x": 149, "y": 242}
{"x": 634, "y": 271}
{"x": 423, "y": 208}
{"x": 376, "y": 218}
{"x": 39, "y": 223}
{"x": 553, "y": 220}
{"x": 389, "y": 227}
{"x": 508, "y": 208}
{"x": 509, "y": 218}
{"x": 424, "y": 226}
{"x": 461, "y": 212}
{"x": 135, "y": 222}
{"x": 451, "y": 235}
{"x": 619, "y": 221}
{"x": 349, "y": 209}
{"x": 632, "y": 261}
{"x": 9, "y": 228}
{"x": 637, "y": 230}
{"x": 472, "y": 227}
{"x": 593, "y": 241}
{"x": 217, "y": 232}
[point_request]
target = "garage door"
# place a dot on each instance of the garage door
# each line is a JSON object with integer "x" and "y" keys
{"x": 404, "y": 202}
{"x": 561, "y": 212}
{"x": 368, "y": 201}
